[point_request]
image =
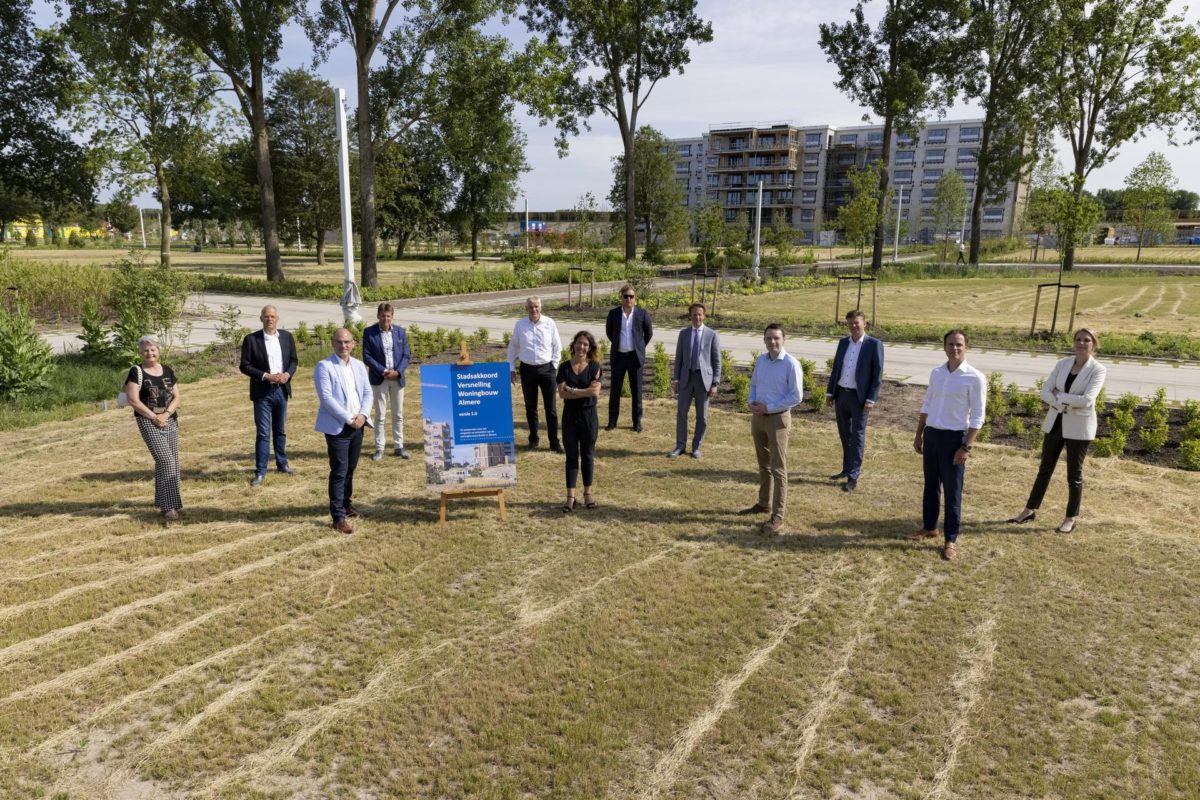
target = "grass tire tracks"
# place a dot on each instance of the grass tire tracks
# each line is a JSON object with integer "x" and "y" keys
{"x": 663, "y": 776}
{"x": 968, "y": 690}
{"x": 150, "y": 567}
{"x": 27, "y": 646}
{"x": 388, "y": 680}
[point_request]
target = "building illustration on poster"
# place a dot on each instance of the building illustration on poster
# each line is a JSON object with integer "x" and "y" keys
{"x": 468, "y": 426}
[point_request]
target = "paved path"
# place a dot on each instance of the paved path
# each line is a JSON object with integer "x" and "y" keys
{"x": 907, "y": 363}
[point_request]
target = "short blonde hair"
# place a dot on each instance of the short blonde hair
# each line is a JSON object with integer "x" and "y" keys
{"x": 1095, "y": 339}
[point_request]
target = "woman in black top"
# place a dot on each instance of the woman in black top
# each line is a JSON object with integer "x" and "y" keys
{"x": 154, "y": 395}
{"x": 579, "y": 385}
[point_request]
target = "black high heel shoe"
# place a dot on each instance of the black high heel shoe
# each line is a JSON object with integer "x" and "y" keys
{"x": 569, "y": 506}
{"x": 1022, "y": 520}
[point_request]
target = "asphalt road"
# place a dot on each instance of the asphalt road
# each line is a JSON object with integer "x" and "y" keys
{"x": 905, "y": 363}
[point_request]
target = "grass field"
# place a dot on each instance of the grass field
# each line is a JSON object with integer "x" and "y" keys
{"x": 654, "y": 647}
{"x": 1131, "y": 304}
{"x": 1099, "y": 254}
{"x": 252, "y": 266}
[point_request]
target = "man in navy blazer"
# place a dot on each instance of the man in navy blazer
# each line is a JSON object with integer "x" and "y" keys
{"x": 386, "y": 353}
{"x": 344, "y": 397}
{"x": 854, "y": 389}
{"x": 628, "y": 328}
{"x": 269, "y": 360}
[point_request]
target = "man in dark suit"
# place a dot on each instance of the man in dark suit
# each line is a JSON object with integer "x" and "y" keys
{"x": 628, "y": 328}
{"x": 386, "y": 354}
{"x": 694, "y": 378}
{"x": 854, "y": 389}
{"x": 269, "y": 359}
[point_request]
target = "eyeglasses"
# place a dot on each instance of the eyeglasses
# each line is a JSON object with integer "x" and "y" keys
{"x": 627, "y": 296}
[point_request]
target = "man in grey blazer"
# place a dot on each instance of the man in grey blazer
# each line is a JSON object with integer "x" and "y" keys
{"x": 694, "y": 378}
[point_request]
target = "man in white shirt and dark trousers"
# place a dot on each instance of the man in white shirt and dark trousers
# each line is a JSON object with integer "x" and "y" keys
{"x": 536, "y": 345}
{"x": 951, "y": 416}
{"x": 269, "y": 359}
{"x": 776, "y": 385}
{"x": 344, "y": 400}
{"x": 386, "y": 354}
{"x": 854, "y": 383}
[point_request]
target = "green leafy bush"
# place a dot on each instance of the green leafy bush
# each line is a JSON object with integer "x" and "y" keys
{"x": 1191, "y": 411}
{"x": 816, "y": 394}
{"x": 1121, "y": 420}
{"x": 661, "y": 388}
{"x": 1189, "y": 454}
{"x": 997, "y": 404}
{"x": 1016, "y": 426}
{"x": 1031, "y": 404}
{"x": 1109, "y": 446}
{"x": 75, "y": 240}
{"x": 25, "y": 358}
{"x": 1128, "y": 402}
{"x": 1154, "y": 431}
{"x": 727, "y": 362}
{"x": 741, "y": 391}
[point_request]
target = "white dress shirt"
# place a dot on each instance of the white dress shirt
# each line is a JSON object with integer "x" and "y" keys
{"x": 534, "y": 344}
{"x": 850, "y": 364}
{"x": 625, "y": 343}
{"x": 274, "y": 352}
{"x": 955, "y": 401}
{"x": 387, "y": 340}
{"x": 352, "y": 395}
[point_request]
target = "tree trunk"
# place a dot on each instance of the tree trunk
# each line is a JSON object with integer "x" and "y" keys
{"x": 474, "y": 242}
{"x": 981, "y": 177}
{"x": 630, "y": 202}
{"x": 320, "y": 247}
{"x": 881, "y": 205}
{"x": 401, "y": 243}
{"x": 266, "y": 181}
{"x": 366, "y": 179}
{"x": 164, "y": 216}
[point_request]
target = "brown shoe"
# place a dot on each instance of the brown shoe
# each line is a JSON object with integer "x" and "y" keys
{"x": 773, "y": 525}
{"x": 754, "y": 509}
{"x": 341, "y": 526}
{"x": 353, "y": 512}
{"x": 920, "y": 535}
{"x": 949, "y": 551}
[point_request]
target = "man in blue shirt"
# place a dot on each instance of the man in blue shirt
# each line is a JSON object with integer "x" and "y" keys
{"x": 776, "y": 385}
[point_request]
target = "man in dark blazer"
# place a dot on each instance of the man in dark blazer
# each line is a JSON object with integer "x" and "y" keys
{"x": 386, "y": 354}
{"x": 269, "y": 359}
{"x": 694, "y": 378}
{"x": 854, "y": 389}
{"x": 628, "y": 328}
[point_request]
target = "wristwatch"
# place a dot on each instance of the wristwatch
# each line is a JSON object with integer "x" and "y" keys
{"x": 966, "y": 447}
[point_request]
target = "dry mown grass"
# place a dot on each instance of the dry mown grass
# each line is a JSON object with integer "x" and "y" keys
{"x": 654, "y": 647}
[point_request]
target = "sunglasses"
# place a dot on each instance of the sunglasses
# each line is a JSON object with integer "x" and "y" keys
{"x": 627, "y": 296}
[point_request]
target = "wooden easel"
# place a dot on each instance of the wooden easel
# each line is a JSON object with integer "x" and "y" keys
{"x": 464, "y": 360}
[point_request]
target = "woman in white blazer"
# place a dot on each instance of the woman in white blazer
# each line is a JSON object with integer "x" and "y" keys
{"x": 1070, "y": 392}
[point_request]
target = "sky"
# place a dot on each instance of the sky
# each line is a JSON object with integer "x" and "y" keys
{"x": 763, "y": 66}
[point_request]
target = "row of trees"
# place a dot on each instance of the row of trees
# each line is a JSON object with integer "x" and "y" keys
{"x": 1099, "y": 73}
{"x": 436, "y": 139}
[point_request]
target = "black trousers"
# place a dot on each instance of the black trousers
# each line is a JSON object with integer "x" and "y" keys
{"x": 533, "y": 379}
{"x": 625, "y": 364}
{"x": 580, "y": 426}
{"x": 344, "y": 449}
{"x": 1052, "y": 447}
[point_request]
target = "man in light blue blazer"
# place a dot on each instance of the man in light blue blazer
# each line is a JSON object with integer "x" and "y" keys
{"x": 344, "y": 395}
{"x": 694, "y": 378}
{"x": 853, "y": 388}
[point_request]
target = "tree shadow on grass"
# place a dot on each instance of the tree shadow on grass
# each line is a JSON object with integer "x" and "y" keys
{"x": 697, "y": 470}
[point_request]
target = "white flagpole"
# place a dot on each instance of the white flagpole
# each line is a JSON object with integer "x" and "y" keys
{"x": 350, "y": 296}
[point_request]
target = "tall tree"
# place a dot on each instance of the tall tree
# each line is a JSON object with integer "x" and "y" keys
{"x": 300, "y": 115}
{"x": 613, "y": 54}
{"x": 1005, "y": 61}
{"x": 1038, "y": 216}
{"x": 40, "y": 166}
{"x": 657, "y": 193}
{"x": 1123, "y": 67}
{"x": 486, "y": 148}
{"x": 905, "y": 67}
{"x": 1147, "y": 189}
{"x": 242, "y": 39}
{"x": 1185, "y": 202}
{"x": 147, "y": 97}
{"x": 860, "y": 219}
{"x": 407, "y": 86}
{"x": 708, "y": 230}
{"x": 949, "y": 206}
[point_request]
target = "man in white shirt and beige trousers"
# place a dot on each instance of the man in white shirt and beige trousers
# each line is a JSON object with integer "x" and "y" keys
{"x": 951, "y": 416}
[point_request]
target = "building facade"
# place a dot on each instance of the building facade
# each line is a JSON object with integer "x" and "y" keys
{"x": 804, "y": 171}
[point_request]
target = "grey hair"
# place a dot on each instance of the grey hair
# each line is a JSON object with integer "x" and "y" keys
{"x": 149, "y": 338}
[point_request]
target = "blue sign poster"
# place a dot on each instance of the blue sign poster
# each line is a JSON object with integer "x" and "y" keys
{"x": 469, "y": 440}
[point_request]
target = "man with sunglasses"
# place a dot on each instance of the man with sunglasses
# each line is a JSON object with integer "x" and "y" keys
{"x": 629, "y": 329}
